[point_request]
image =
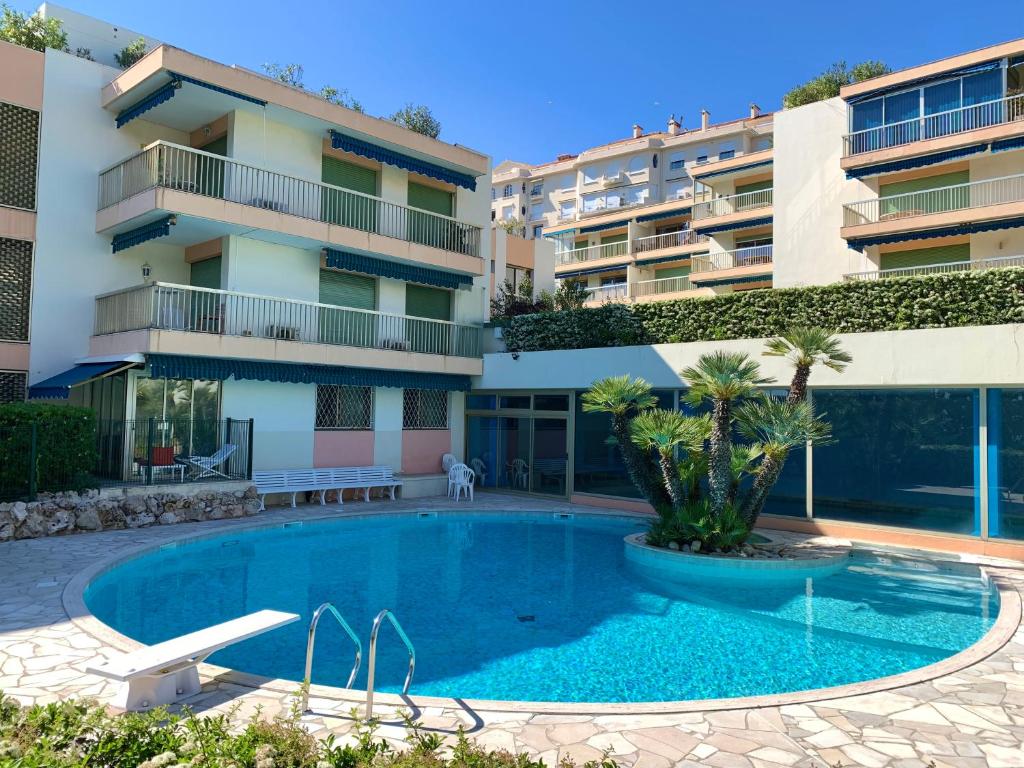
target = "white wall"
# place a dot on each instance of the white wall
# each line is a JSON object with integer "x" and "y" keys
{"x": 254, "y": 266}
{"x": 283, "y": 417}
{"x": 810, "y": 189}
{"x": 73, "y": 264}
{"x": 387, "y": 426}
{"x": 274, "y": 146}
{"x": 101, "y": 38}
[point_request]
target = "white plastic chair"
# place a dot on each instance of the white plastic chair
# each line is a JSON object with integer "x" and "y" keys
{"x": 447, "y": 462}
{"x": 519, "y": 473}
{"x": 480, "y": 469}
{"x": 461, "y": 479}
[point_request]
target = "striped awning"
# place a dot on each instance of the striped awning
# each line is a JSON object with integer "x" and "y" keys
{"x": 591, "y": 271}
{"x": 1006, "y": 144}
{"x": 221, "y": 368}
{"x": 391, "y": 157}
{"x": 600, "y": 227}
{"x": 666, "y": 214}
{"x": 749, "y": 224}
{"x": 730, "y": 280}
{"x": 139, "y": 235}
{"x": 915, "y": 162}
{"x": 666, "y": 259}
{"x": 859, "y": 244}
{"x": 58, "y": 387}
{"x": 749, "y": 166}
{"x": 168, "y": 91}
{"x": 409, "y": 273}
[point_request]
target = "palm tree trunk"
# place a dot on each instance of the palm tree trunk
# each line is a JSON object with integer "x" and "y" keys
{"x": 670, "y": 475}
{"x": 798, "y": 387}
{"x": 767, "y": 476}
{"x": 720, "y": 456}
{"x": 640, "y": 466}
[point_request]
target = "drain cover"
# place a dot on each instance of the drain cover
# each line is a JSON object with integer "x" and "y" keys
{"x": 527, "y": 617}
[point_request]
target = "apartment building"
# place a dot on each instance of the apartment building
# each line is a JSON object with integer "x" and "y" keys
{"x": 203, "y": 242}
{"x": 679, "y": 212}
{"x": 917, "y": 172}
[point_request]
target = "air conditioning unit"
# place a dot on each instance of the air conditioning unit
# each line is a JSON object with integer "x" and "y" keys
{"x": 283, "y": 332}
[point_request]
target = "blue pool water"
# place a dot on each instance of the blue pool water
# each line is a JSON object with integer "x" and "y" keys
{"x": 528, "y": 607}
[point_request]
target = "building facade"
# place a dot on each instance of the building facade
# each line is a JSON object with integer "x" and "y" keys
{"x": 208, "y": 244}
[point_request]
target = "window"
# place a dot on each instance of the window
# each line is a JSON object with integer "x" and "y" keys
{"x": 507, "y": 192}
{"x": 765, "y": 142}
{"x": 20, "y": 130}
{"x": 538, "y": 229}
{"x": 677, "y": 190}
{"x": 494, "y": 193}
{"x": 567, "y": 183}
{"x": 636, "y": 164}
{"x": 424, "y": 409}
{"x": 614, "y": 169}
{"x": 567, "y": 209}
{"x": 15, "y": 288}
{"x": 185, "y": 414}
{"x": 340, "y": 408}
{"x": 508, "y": 212}
{"x": 517, "y": 275}
{"x": 676, "y": 161}
{"x": 702, "y": 158}
{"x": 591, "y": 174}
{"x": 727, "y": 151}
{"x": 637, "y": 195}
{"x": 536, "y": 211}
{"x": 537, "y": 189}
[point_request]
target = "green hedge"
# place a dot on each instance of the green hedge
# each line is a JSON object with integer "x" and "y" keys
{"x": 65, "y": 447}
{"x": 992, "y": 297}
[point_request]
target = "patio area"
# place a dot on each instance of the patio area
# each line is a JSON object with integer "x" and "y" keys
{"x": 966, "y": 712}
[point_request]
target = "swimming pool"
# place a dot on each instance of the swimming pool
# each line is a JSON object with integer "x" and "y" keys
{"x": 533, "y": 607}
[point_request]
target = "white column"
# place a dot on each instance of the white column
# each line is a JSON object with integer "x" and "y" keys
{"x": 387, "y": 427}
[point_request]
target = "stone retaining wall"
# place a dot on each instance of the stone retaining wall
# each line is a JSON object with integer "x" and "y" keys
{"x": 64, "y": 513}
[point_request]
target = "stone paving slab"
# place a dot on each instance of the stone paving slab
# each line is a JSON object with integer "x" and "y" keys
{"x": 966, "y": 718}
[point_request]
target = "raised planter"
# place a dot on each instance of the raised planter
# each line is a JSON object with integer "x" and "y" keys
{"x": 808, "y": 561}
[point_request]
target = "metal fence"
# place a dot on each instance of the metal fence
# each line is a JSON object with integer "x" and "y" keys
{"x": 722, "y": 206}
{"x": 608, "y": 292}
{"x": 593, "y": 252}
{"x": 167, "y": 306}
{"x": 668, "y": 240}
{"x": 938, "y": 269}
{"x": 974, "y": 194}
{"x": 660, "y": 286}
{"x": 171, "y": 166}
{"x": 741, "y": 257}
{"x": 946, "y": 123}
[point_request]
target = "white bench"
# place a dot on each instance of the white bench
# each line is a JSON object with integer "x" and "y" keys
{"x": 166, "y": 672}
{"x": 324, "y": 479}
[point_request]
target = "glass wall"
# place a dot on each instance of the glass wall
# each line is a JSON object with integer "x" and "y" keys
{"x": 900, "y": 457}
{"x": 1006, "y": 463}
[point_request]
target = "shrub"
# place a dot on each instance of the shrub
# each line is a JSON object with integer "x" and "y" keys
{"x": 827, "y": 84}
{"x": 65, "y": 446}
{"x": 77, "y": 733}
{"x": 131, "y": 53}
{"x": 32, "y": 31}
{"x": 609, "y": 325}
{"x": 992, "y": 297}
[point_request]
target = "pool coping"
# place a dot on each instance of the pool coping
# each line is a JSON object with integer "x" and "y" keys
{"x": 1001, "y": 632}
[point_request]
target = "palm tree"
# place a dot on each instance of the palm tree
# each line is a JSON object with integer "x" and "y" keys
{"x": 623, "y": 397}
{"x": 662, "y": 431}
{"x": 805, "y": 347}
{"x": 777, "y": 426}
{"x": 742, "y": 462}
{"x": 722, "y": 378}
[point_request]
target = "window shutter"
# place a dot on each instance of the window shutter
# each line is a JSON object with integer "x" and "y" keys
{"x": 926, "y": 256}
{"x": 433, "y": 303}
{"x": 431, "y": 199}
{"x": 348, "y": 175}
{"x": 206, "y": 273}
{"x": 347, "y": 290}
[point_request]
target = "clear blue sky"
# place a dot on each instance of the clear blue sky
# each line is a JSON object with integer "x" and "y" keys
{"x": 529, "y": 81}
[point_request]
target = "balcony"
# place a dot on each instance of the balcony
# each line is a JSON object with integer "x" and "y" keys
{"x": 593, "y": 253}
{"x": 733, "y": 211}
{"x": 952, "y": 123}
{"x": 741, "y": 262}
{"x": 654, "y": 244}
{"x": 937, "y": 269}
{"x": 183, "y": 319}
{"x": 204, "y": 187}
{"x": 976, "y": 201}
{"x": 664, "y": 288}
{"x": 613, "y": 292}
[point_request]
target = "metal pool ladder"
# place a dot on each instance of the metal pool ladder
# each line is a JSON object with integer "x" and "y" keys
{"x": 385, "y": 614}
{"x": 311, "y": 638}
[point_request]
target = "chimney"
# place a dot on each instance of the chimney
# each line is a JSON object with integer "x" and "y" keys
{"x": 673, "y": 126}
{"x": 755, "y": 111}
{"x": 704, "y": 115}
{"x": 637, "y": 131}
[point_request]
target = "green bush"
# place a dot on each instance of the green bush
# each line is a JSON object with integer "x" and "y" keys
{"x": 992, "y": 297}
{"x": 75, "y": 734}
{"x": 65, "y": 447}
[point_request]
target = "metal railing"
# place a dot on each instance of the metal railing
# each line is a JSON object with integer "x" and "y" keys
{"x": 166, "y": 306}
{"x": 608, "y": 292}
{"x": 662, "y": 285}
{"x": 171, "y": 166}
{"x": 311, "y": 639}
{"x": 946, "y": 123}
{"x": 669, "y": 240}
{"x": 372, "y": 665}
{"x": 938, "y": 269}
{"x": 741, "y": 257}
{"x": 722, "y": 206}
{"x": 974, "y": 194}
{"x": 594, "y": 252}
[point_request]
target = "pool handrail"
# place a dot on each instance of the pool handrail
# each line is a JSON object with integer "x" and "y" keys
{"x": 310, "y": 640}
{"x": 386, "y": 614}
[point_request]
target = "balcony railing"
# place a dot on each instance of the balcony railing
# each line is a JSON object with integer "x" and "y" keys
{"x": 722, "y": 206}
{"x": 662, "y": 285}
{"x": 741, "y": 257}
{"x": 933, "y": 126}
{"x": 165, "y": 306}
{"x": 669, "y": 240}
{"x": 606, "y": 251}
{"x": 608, "y": 292}
{"x": 974, "y": 194}
{"x": 938, "y": 269}
{"x": 171, "y": 166}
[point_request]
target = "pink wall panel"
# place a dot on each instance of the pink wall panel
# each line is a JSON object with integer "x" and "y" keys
{"x": 342, "y": 449}
{"x": 422, "y": 450}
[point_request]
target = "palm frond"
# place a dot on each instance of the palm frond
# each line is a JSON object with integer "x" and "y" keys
{"x": 618, "y": 395}
{"x": 809, "y": 345}
{"x": 778, "y": 425}
{"x": 663, "y": 430}
{"x": 724, "y": 376}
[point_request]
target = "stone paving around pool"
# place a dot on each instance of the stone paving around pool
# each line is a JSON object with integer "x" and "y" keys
{"x": 969, "y": 718}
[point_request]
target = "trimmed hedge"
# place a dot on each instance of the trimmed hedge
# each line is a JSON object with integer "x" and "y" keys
{"x": 65, "y": 447}
{"x": 992, "y": 297}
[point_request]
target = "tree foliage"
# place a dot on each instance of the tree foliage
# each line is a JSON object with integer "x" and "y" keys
{"x": 827, "y": 84}
{"x": 131, "y": 53}
{"x": 293, "y": 75}
{"x": 31, "y": 31}
{"x": 418, "y": 118}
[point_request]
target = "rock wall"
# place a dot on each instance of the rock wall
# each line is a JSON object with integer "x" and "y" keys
{"x": 64, "y": 513}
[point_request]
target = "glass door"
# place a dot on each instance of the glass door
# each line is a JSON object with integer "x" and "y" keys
{"x": 550, "y": 465}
